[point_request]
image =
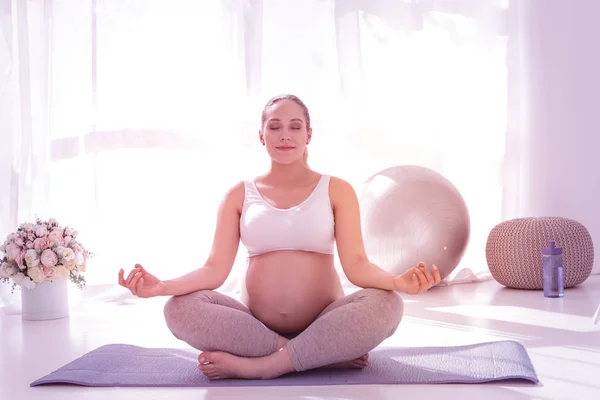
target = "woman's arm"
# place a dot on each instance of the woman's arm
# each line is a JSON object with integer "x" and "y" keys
{"x": 355, "y": 263}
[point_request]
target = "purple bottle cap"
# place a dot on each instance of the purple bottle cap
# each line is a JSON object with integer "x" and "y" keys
{"x": 552, "y": 250}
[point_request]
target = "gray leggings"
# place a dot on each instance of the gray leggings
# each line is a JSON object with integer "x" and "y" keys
{"x": 346, "y": 329}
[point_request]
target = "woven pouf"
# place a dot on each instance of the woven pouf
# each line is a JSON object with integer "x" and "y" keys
{"x": 514, "y": 251}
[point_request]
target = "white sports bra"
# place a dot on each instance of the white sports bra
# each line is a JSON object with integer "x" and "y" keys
{"x": 309, "y": 226}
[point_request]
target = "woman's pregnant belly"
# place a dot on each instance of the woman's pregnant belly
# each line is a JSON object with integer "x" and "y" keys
{"x": 286, "y": 290}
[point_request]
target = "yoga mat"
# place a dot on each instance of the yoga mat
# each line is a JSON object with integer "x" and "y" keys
{"x": 127, "y": 365}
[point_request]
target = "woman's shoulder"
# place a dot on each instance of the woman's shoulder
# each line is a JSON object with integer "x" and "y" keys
{"x": 234, "y": 195}
{"x": 237, "y": 187}
{"x": 340, "y": 191}
{"x": 338, "y": 184}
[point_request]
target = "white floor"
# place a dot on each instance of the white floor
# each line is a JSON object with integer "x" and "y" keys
{"x": 559, "y": 334}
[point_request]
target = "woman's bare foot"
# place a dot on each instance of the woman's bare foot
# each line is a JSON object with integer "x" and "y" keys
{"x": 358, "y": 363}
{"x": 281, "y": 341}
{"x": 222, "y": 365}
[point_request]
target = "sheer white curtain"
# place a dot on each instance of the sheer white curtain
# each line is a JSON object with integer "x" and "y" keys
{"x": 154, "y": 108}
{"x": 25, "y": 35}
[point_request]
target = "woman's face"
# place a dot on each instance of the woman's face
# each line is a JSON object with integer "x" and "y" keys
{"x": 284, "y": 132}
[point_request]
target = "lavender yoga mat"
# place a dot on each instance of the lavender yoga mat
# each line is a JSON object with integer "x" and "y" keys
{"x": 127, "y": 365}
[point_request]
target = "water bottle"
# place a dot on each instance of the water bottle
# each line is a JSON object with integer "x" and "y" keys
{"x": 552, "y": 261}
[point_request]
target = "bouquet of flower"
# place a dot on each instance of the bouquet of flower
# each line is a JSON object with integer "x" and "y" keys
{"x": 43, "y": 251}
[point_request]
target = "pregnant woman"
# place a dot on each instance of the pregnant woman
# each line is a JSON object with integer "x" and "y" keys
{"x": 293, "y": 314}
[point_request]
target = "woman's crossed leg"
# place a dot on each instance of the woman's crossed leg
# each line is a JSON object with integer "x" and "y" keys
{"x": 235, "y": 344}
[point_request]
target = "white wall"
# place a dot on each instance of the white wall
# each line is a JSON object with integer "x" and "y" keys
{"x": 554, "y": 65}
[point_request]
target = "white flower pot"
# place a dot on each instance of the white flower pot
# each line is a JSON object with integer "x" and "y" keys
{"x": 47, "y": 300}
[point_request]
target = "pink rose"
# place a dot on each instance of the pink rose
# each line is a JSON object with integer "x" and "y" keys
{"x": 20, "y": 242}
{"x": 40, "y": 244}
{"x": 28, "y": 226}
{"x": 55, "y": 237}
{"x": 48, "y": 272}
{"x": 36, "y": 274}
{"x": 41, "y": 231}
{"x": 31, "y": 258}
{"x": 68, "y": 231}
{"x": 7, "y": 270}
{"x": 29, "y": 244}
{"x": 20, "y": 259}
{"x": 13, "y": 251}
{"x": 49, "y": 258}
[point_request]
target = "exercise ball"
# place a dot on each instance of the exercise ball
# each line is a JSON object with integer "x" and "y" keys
{"x": 411, "y": 214}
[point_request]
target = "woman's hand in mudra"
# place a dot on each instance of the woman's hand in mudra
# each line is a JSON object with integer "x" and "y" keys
{"x": 141, "y": 283}
{"x": 417, "y": 279}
